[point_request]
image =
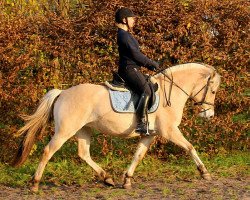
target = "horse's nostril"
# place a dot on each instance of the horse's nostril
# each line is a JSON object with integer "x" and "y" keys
{"x": 211, "y": 116}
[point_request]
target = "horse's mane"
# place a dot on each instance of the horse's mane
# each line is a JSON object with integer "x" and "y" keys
{"x": 188, "y": 66}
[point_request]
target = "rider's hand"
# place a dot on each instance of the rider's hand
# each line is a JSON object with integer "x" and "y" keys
{"x": 154, "y": 66}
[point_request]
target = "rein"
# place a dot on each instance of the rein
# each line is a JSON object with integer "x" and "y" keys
{"x": 171, "y": 79}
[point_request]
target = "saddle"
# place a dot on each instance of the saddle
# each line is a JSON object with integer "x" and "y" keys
{"x": 123, "y": 99}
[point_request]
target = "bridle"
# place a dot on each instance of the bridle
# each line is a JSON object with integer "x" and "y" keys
{"x": 203, "y": 100}
{"x": 172, "y": 83}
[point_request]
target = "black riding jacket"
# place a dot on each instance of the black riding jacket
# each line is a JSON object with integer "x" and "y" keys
{"x": 129, "y": 52}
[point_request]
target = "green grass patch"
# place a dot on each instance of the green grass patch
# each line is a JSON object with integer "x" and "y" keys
{"x": 234, "y": 164}
{"x": 166, "y": 192}
{"x": 2, "y": 126}
{"x": 70, "y": 172}
{"x": 247, "y": 92}
{"x": 242, "y": 117}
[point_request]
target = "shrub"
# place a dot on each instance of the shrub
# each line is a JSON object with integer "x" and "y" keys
{"x": 57, "y": 44}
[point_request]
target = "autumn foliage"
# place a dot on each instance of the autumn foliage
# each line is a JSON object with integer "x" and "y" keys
{"x": 58, "y": 44}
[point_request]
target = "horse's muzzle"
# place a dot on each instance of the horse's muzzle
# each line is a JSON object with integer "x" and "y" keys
{"x": 207, "y": 114}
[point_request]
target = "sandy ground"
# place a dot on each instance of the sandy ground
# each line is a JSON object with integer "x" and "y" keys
{"x": 220, "y": 188}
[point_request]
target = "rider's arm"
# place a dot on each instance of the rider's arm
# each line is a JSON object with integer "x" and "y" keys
{"x": 138, "y": 56}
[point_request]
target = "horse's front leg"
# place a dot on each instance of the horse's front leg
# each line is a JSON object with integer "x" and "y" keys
{"x": 138, "y": 156}
{"x": 176, "y": 137}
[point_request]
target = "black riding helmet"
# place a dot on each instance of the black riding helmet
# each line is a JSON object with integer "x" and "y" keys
{"x": 122, "y": 13}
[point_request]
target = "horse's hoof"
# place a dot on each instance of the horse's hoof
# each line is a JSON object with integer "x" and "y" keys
{"x": 109, "y": 182}
{"x": 34, "y": 189}
{"x": 207, "y": 176}
{"x": 127, "y": 183}
{"x": 127, "y": 186}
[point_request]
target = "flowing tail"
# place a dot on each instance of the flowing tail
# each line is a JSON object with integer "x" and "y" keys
{"x": 34, "y": 124}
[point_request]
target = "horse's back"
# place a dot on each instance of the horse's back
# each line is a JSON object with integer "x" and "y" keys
{"x": 79, "y": 101}
{"x": 85, "y": 89}
{"x": 83, "y": 93}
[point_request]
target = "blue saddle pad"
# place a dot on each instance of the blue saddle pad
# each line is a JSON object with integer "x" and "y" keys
{"x": 125, "y": 101}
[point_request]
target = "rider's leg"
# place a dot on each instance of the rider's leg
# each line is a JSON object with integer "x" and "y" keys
{"x": 141, "y": 113}
{"x": 138, "y": 83}
{"x": 142, "y": 107}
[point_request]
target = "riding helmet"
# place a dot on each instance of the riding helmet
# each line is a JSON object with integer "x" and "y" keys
{"x": 122, "y": 13}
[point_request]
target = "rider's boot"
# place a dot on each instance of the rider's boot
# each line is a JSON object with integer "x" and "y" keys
{"x": 141, "y": 112}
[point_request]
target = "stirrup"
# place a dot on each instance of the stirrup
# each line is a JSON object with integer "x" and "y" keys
{"x": 144, "y": 130}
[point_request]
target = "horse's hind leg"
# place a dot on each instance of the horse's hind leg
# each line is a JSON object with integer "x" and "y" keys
{"x": 55, "y": 143}
{"x": 177, "y": 138}
{"x": 84, "y": 137}
{"x": 138, "y": 156}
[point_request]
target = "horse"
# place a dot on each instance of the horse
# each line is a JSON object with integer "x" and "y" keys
{"x": 82, "y": 108}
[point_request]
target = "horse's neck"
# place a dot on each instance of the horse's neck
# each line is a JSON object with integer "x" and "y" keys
{"x": 180, "y": 82}
{"x": 182, "y": 79}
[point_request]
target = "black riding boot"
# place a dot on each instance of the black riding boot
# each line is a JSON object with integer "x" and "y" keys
{"x": 141, "y": 115}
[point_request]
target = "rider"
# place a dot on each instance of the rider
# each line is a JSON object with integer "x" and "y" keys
{"x": 130, "y": 61}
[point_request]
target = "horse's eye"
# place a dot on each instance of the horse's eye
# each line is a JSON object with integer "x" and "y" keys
{"x": 213, "y": 92}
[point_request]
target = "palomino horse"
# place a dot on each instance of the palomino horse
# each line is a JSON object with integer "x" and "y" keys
{"x": 81, "y": 108}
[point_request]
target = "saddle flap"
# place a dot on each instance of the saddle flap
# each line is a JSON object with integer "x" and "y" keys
{"x": 125, "y": 102}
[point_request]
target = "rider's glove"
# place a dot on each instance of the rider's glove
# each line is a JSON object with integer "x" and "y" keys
{"x": 153, "y": 66}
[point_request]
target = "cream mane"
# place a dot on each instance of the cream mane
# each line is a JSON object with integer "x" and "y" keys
{"x": 187, "y": 66}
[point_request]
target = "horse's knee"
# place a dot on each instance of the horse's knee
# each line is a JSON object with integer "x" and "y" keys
{"x": 83, "y": 155}
{"x": 46, "y": 151}
{"x": 82, "y": 151}
{"x": 190, "y": 148}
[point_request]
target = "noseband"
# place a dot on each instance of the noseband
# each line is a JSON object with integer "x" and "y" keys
{"x": 205, "y": 87}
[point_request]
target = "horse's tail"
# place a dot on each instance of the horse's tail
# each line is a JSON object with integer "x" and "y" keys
{"x": 35, "y": 123}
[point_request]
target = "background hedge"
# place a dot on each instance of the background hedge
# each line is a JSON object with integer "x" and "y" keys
{"x": 57, "y": 44}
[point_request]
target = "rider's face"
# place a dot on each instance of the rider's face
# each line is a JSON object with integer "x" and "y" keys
{"x": 131, "y": 22}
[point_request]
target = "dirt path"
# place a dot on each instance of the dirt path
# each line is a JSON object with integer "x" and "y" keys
{"x": 223, "y": 188}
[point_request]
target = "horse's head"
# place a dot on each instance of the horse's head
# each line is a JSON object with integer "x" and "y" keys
{"x": 199, "y": 82}
{"x": 204, "y": 93}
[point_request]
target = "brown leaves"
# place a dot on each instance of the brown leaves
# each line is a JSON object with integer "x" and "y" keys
{"x": 39, "y": 51}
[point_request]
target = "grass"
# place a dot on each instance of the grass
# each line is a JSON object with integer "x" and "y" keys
{"x": 242, "y": 117}
{"x": 166, "y": 192}
{"x": 71, "y": 172}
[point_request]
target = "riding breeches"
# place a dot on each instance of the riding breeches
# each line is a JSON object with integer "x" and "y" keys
{"x": 135, "y": 80}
